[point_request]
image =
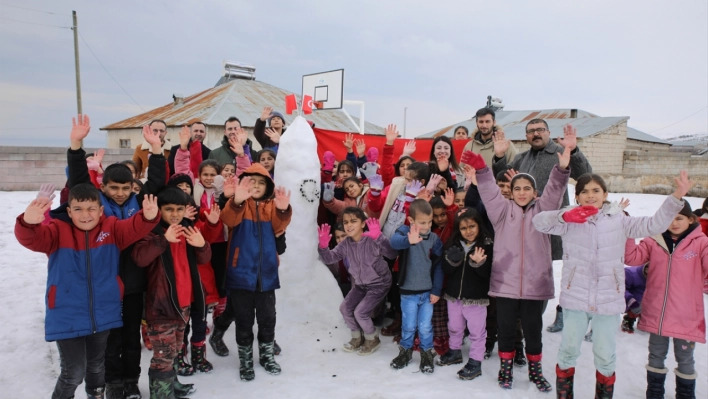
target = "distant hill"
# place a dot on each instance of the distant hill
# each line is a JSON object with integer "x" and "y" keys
{"x": 686, "y": 138}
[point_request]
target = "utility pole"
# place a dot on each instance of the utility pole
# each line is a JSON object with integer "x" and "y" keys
{"x": 405, "y": 111}
{"x": 76, "y": 61}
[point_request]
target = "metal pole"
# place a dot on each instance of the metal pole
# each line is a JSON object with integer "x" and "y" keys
{"x": 405, "y": 111}
{"x": 76, "y": 61}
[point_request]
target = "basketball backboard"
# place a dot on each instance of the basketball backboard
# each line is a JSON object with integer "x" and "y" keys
{"x": 326, "y": 89}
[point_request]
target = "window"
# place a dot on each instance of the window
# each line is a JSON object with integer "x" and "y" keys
{"x": 124, "y": 143}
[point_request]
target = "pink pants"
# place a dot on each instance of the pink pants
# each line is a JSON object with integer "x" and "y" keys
{"x": 474, "y": 316}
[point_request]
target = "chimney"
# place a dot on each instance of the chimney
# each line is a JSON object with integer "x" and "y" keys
{"x": 573, "y": 113}
{"x": 178, "y": 99}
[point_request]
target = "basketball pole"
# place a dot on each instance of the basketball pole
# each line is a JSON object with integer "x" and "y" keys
{"x": 361, "y": 113}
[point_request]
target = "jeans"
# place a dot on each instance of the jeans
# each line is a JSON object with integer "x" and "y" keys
{"x": 417, "y": 312}
{"x": 123, "y": 347}
{"x": 604, "y": 329}
{"x": 250, "y": 306}
{"x": 81, "y": 357}
{"x": 683, "y": 351}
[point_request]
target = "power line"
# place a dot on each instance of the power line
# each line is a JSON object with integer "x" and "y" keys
{"x": 35, "y": 128}
{"x": 680, "y": 120}
{"x": 31, "y": 9}
{"x": 36, "y": 23}
{"x": 109, "y": 74}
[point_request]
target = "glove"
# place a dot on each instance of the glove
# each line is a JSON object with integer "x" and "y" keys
{"x": 324, "y": 236}
{"x": 328, "y": 161}
{"x": 374, "y": 228}
{"x": 412, "y": 190}
{"x": 455, "y": 255}
{"x": 376, "y": 185}
{"x": 579, "y": 214}
{"x": 474, "y": 160}
{"x": 328, "y": 192}
{"x": 218, "y": 185}
{"x": 46, "y": 190}
{"x": 372, "y": 154}
{"x": 369, "y": 169}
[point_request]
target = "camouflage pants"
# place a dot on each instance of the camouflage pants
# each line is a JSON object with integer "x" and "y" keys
{"x": 166, "y": 339}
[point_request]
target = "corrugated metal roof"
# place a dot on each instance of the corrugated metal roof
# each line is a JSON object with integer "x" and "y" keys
{"x": 243, "y": 99}
{"x": 635, "y": 134}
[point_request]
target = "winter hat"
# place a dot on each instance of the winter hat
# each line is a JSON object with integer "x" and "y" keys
{"x": 178, "y": 178}
{"x": 276, "y": 114}
{"x": 686, "y": 211}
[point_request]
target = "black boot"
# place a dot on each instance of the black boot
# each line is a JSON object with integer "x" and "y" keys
{"x": 558, "y": 322}
{"x": 183, "y": 368}
{"x": 536, "y": 374}
{"x": 472, "y": 370}
{"x": 276, "y": 348}
{"x": 628, "y": 324}
{"x": 655, "y": 382}
{"x": 199, "y": 360}
{"x": 452, "y": 356}
{"x": 506, "y": 370}
{"x": 266, "y": 358}
{"x": 604, "y": 386}
{"x": 114, "y": 390}
{"x": 216, "y": 340}
{"x": 685, "y": 385}
{"x": 245, "y": 357}
{"x": 564, "y": 382}
{"x": 519, "y": 358}
{"x": 427, "y": 365}
{"x": 488, "y": 353}
{"x": 404, "y": 357}
{"x": 131, "y": 389}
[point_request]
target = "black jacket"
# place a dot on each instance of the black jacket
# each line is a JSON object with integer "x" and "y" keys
{"x": 465, "y": 282}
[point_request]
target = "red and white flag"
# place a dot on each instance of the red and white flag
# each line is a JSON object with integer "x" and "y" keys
{"x": 307, "y": 104}
{"x": 290, "y": 104}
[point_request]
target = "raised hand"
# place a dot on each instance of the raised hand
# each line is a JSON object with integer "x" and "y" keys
{"x": 348, "y": 142}
{"x": 236, "y": 146}
{"x": 243, "y": 191}
{"x": 214, "y": 214}
{"x": 338, "y": 183}
{"x": 375, "y": 184}
{"x": 328, "y": 161}
{"x": 150, "y": 208}
{"x": 153, "y": 139}
{"x": 510, "y": 174}
{"x": 372, "y": 154}
{"x": 328, "y": 192}
{"x": 369, "y": 169}
{"x": 412, "y": 190}
{"x": 80, "y": 128}
{"x": 579, "y": 214}
{"x": 474, "y": 160}
{"x": 414, "y": 235}
{"x": 433, "y": 183}
{"x": 184, "y": 136}
{"x": 478, "y": 256}
{"x": 34, "y": 214}
{"x": 265, "y": 114}
{"x": 323, "y": 235}
{"x": 282, "y": 198}
{"x": 190, "y": 212}
{"x": 273, "y": 135}
{"x": 564, "y": 158}
{"x": 501, "y": 144}
{"x": 408, "y": 149}
{"x": 624, "y": 203}
{"x": 173, "y": 233}
{"x": 46, "y": 190}
{"x": 449, "y": 197}
{"x": 98, "y": 156}
{"x": 230, "y": 186}
{"x": 391, "y": 133}
{"x": 683, "y": 184}
{"x": 425, "y": 195}
{"x": 443, "y": 163}
{"x": 194, "y": 237}
{"x": 570, "y": 137}
{"x": 374, "y": 228}
{"x": 470, "y": 174}
{"x": 360, "y": 147}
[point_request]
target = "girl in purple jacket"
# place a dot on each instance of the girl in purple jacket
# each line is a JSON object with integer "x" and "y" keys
{"x": 369, "y": 271}
{"x": 522, "y": 268}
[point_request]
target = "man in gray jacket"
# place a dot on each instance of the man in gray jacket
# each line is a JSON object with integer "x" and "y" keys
{"x": 538, "y": 162}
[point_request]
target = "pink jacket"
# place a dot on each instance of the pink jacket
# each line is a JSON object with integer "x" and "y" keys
{"x": 673, "y": 301}
{"x": 522, "y": 267}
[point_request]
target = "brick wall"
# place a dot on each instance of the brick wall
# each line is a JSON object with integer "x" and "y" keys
{"x": 26, "y": 168}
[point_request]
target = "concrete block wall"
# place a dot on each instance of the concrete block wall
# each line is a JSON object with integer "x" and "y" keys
{"x": 664, "y": 164}
{"x": 26, "y": 168}
{"x": 605, "y": 151}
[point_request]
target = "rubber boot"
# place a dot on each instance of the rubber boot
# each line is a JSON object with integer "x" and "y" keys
{"x": 557, "y": 325}
{"x": 183, "y": 368}
{"x": 604, "y": 386}
{"x": 162, "y": 384}
{"x": 131, "y": 389}
{"x": 114, "y": 390}
{"x": 394, "y": 328}
{"x": 506, "y": 369}
{"x": 656, "y": 378}
{"x": 276, "y": 348}
{"x": 536, "y": 374}
{"x": 564, "y": 382}
{"x": 181, "y": 389}
{"x": 245, "y": 357}
{"x": 199, "y": 360}
{"x": 266, "y": 358}
{"x": 685, "y": 385}
{"x": 216, "y": 340}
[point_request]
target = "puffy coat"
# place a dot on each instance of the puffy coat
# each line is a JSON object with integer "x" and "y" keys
{"x": 593, "y": 261}
{"x": 522, "y": 267}
{"x": 252, "y": 262}
{"x": 673, "y": 300}
{"x": 84, "y": 291}
{"x": 635, "y": 283}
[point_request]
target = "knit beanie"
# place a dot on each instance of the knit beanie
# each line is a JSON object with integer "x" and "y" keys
{"x": 178, "y": 178}
{"x": 276, "y": 114}
{"x": 686, "y": 211}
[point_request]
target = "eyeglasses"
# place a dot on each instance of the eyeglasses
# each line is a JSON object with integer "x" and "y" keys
{"x": 534, "y": 131}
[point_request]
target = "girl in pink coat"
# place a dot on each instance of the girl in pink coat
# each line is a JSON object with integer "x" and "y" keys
{"x": 673, "y": 301}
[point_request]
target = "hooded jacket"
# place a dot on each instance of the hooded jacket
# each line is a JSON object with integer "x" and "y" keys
{"x": 223, "y": 154}
{"x": 154, "y": 253}
{"x": 84, "y": 291}
{"x": 252, "y": 262}
{"x": 522, "y": 267}
{"x": 593, "y": 266}
{"x": 673, "y": 301}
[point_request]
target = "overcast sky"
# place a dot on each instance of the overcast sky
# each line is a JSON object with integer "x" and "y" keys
{"x": 643, "y": 59}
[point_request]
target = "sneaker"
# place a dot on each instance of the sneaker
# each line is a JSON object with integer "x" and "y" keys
{"x": 404, "y": 357}
{"x": 452, "y": 356}
{"x": 370, "y": 345}
{"x": 472, "y": 370}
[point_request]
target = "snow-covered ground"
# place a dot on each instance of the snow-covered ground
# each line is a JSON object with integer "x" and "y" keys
{"x": 313, "y": 364}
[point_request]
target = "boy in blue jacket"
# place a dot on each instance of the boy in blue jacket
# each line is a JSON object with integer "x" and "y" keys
{"x": 420, "y": 280}
{"x": 84, "y": 290}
